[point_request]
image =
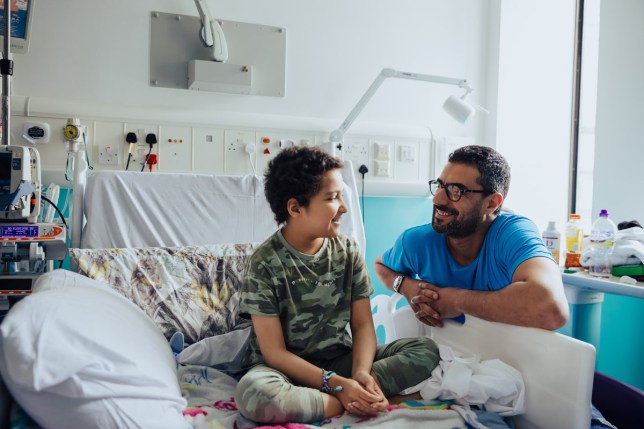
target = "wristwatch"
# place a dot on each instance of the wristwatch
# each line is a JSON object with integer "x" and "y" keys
{"x": 398, "y": 281}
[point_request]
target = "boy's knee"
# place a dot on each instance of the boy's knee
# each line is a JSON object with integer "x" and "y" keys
{"x": 429, "y": 346}
{"x": 271, "y": 400}
{"x": 420, "y": 356}
{"x": 429, "y": 356}
{"x": 254, "y": 397}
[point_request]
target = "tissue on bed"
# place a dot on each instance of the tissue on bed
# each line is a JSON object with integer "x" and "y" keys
{"x": 77, "y": 354}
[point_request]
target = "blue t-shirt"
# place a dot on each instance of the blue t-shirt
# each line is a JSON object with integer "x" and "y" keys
{"x": 422, "y": 253}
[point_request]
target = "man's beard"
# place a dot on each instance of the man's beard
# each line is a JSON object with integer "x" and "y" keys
{"x": 458, "y": 228}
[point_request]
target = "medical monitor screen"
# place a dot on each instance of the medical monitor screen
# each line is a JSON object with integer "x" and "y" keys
{"x": 18, "y": 231}
{"x": 21, "y": 14}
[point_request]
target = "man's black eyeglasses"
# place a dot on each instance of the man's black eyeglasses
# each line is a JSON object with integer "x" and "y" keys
{"x": 454, "y": 190}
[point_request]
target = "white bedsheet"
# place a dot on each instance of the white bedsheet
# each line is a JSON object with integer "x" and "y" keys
{"x": 129, "y": 209}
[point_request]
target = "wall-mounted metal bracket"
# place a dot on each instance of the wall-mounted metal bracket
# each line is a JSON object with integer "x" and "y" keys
{"x": 256, "y": 64}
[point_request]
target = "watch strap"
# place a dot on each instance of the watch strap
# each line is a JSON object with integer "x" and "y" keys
{"x": 398, "y": 281}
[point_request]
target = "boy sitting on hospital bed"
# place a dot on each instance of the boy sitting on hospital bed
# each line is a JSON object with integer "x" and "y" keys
{"x": 305, "y": 283}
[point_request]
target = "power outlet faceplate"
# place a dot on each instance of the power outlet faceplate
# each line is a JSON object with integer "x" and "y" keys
{"x": 383, "y": 168}
{"x": 236, "y": 159}
{"x": 356, "y": 151}
{"x": 108, "y": 155}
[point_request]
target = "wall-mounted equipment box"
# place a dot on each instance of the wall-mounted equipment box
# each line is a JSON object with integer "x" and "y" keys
{"x": 219, "y": 77}
{"x": 256, "y": 62}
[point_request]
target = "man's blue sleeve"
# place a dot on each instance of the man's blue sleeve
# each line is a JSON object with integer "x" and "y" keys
{"x": 396, "y": 258}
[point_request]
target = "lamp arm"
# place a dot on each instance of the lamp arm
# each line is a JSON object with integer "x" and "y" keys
{"x": 206, "y": 33}
{"x": 462, "y": 83}
{"x": 212, "y": 33}
{"x": 337, "y": 135}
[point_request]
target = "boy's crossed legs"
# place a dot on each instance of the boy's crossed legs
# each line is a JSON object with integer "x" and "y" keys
{"x": 267, "y": 395}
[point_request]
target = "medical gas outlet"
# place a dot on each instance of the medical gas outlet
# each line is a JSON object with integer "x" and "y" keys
{"x": 74, "y": 134}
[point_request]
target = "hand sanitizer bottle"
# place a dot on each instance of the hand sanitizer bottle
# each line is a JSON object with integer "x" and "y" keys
{"x": 552, "y": 239}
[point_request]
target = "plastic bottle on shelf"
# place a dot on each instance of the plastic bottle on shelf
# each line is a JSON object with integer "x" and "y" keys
{"x": 552, "y": 239}
{"x": 602, "y": 243}
{"x": 574, "y": 237}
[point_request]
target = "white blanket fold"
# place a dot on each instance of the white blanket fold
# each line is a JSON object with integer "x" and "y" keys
{"x": 493, "y": 384}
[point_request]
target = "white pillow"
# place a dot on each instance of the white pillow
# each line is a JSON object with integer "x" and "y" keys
{"x": 76, "y": 354}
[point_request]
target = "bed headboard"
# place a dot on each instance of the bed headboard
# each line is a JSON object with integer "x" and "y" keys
{"x": 130, "y": 209}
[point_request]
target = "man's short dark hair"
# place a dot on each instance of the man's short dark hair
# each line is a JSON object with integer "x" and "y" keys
{"x": 296, "y": 172}
{"x": 492, "y": 166}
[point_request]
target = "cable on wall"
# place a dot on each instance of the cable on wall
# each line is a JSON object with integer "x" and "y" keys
{"x": 363, "y": 170}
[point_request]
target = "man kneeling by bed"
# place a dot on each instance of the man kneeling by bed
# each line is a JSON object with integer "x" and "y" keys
{"x": 473, "y": 258}
{"x": 304, "y": 285}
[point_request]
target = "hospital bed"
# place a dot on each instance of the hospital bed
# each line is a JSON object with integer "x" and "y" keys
{"x": 77, "y": 354}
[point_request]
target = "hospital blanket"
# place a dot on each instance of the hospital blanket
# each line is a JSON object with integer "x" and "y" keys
{"x": 211, "y": 404}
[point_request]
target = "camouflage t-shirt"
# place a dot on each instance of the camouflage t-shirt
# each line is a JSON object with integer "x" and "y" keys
{"x": 311, "y": 294}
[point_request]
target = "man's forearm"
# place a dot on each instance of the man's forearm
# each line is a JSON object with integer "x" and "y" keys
{"x": 520, "y": 303}
{"x": 385, "y": 274}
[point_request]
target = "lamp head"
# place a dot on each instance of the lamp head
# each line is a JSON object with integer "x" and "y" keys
{"x": 458, "y": 108}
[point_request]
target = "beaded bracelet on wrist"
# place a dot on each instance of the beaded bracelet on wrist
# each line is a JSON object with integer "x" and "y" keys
{"x": 326, "y": 375}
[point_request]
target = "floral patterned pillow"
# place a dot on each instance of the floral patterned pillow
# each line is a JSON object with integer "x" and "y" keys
{"x": 194, "y": 290}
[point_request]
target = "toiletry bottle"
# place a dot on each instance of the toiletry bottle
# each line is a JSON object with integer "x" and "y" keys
{"x": 552, "y": 239}
{"x": 574, "y": 237}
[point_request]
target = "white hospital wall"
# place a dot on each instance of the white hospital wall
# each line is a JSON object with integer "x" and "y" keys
{"x": 88, "y": 52}
{"x": 89, "y": 58}
{"x": 619, "y": 147}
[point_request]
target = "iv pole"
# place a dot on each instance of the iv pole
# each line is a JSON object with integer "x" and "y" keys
{"x": 6, "y": 68}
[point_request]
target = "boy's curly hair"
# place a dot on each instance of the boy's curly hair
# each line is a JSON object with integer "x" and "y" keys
{"x": 296, "y": 172}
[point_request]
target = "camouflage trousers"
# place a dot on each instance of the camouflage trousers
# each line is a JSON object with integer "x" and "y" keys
{"x": 268, "y": 396}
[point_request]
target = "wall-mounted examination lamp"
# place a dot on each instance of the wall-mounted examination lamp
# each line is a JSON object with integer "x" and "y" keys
{"x": 457, "y": 107}
{"x": 192, "y": 52}
{"x": 211, "y": 33}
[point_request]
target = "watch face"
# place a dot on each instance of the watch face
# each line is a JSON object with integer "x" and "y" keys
{"x": 71, "y": 132}
{"x": 397, "y": 283}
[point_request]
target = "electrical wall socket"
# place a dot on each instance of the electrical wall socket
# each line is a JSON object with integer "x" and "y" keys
{"x": 141, "y": 148}
{"x": 108, "y": 155}
{"x": 356, "y": 151}
{"x": 236, "y": 159}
